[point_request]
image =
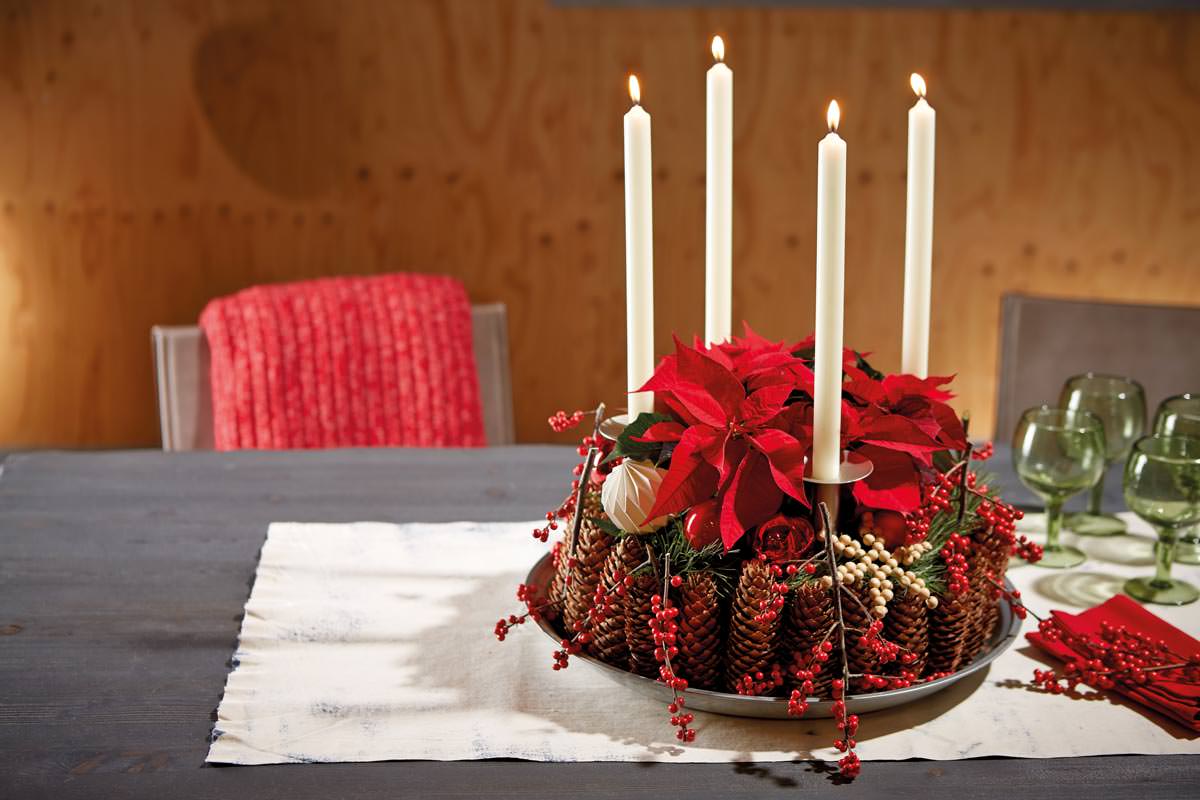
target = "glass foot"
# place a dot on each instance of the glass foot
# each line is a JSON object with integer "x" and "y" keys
{"x": 1187, "y": 551}
{"x": 1095, "y": 524}
{"x": 1061, "y": 557}
{"x": 1167, "y": 593}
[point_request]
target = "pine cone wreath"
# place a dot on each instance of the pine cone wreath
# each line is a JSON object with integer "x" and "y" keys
{"x": 809, "y": 620}
{"x": 907, "y": 624}
{"x": 751, "y": 641}
{"x": 948, "y": 627}
{"x": 608, "y": 637}
{"x": 637, "y": 625}
{"x": 591, "y": 550}
{"x": 699, "y": 634}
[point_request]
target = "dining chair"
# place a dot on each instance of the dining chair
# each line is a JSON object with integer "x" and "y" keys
{"x": 1044, "y": 341}
{"x": 182, "y": 361}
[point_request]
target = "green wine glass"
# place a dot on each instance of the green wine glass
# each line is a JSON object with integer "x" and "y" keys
{"x": 1120, "y": 403}
{"x": 1058, "y": 453}
{"x": 1162, "y": 486}
{"x": 1180, "y": 416}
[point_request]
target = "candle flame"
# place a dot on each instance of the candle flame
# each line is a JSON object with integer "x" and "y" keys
{"x": 834, "y": 115}
{"x": 918, "y": 84}
{"x": 718, "y": 48}
{"x": 635, "y": 90}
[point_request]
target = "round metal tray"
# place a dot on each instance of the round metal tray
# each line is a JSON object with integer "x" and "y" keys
{"x": 738, "y": 705}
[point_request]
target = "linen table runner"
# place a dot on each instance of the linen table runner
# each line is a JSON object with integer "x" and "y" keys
{"x": 372, "y": 641}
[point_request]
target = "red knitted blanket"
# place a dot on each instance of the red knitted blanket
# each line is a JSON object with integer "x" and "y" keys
{"x": 344, "y": 362}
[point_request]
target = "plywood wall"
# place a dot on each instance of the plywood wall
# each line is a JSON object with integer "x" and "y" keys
{"x": 155, "y": 154}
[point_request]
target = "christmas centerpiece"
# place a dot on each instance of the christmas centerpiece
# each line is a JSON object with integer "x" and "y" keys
{"x": 694, "y": 550}
{"x": 771, "y": 522}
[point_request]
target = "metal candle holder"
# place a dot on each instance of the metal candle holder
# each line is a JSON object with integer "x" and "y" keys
{"x": 854, "y": 468}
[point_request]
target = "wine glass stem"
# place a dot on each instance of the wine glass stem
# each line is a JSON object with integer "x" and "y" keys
{"x": 1164, "y": 552}
{"x": 1097, "y": 496}
{"x": 1053, "y": 523}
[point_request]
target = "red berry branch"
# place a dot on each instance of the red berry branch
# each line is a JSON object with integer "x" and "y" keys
{"x": 1118, "y": 655}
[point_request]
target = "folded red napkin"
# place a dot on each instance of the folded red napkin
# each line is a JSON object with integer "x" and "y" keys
{"x": 1178, "y": 700}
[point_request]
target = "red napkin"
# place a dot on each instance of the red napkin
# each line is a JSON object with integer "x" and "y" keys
{"x": 1180, "y": 701}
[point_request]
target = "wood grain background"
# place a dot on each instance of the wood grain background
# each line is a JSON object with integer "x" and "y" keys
{"x": 155, "y": 154}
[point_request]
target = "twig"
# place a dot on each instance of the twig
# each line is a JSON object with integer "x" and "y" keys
{"x": 827, "y": 523}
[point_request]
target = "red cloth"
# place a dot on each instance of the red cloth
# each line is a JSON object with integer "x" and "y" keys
{"x": 344, "y": 362}
{"x": 1180, "y": 701}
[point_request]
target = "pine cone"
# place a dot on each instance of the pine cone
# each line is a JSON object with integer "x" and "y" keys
{"x": 608, "y": 642}
{"x": 637, "y": 625}
{"x": 558, "y": 584}
{"x": 699, "y": 634}
{"x": 810, "y": 617}
{"x": 982, "y": 623}
{"x": 751, "y": 641}
{"x": 591, "y": 550}
{"x": 860, "y": 658}
{"x": 948, "y": 626}
{"x": 907, "y": 624}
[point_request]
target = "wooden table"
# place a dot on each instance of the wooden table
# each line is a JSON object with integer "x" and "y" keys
{"x": 123, "y": 576}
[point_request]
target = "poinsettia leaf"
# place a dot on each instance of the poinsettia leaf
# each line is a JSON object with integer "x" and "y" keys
{"x": 894, "y": 483}
{"x": 751, "y": 499}
{"x": 900, "y": 386}
{"x": 628, "y": 444}
{"x": 953, "y": 435}
{"x": 727, "y": 458}
{"x": 690, "y": 478}
{"x": 668, "y": 431}
{"x": 707, "y": 389}
{"x": 762, "y": 405}
{"x": 786, "y": 456}
{"x": 896, "y": 432}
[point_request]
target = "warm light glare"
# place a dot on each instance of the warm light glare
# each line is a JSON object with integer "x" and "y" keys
{"x": 718, "y": 48}
{"x": 635, "y": 90}
{"x": 834, "y": 115}
{"x": 918, "y": 84}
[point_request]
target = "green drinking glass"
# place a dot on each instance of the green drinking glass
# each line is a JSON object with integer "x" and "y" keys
{"x": 1162, "y": 486}
{"x": 1180, "y": 416}
{"x": 1120, "y": 403}
{"x": 1058, "y": 453}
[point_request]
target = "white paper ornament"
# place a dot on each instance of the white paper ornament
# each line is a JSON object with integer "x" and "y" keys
{"x": 629, "y": 493}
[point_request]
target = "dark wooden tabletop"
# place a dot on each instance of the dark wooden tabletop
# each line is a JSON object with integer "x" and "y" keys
{"x": 123, "y": 576}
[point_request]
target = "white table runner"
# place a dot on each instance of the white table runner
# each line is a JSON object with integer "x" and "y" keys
{"x": 372, "y": 641}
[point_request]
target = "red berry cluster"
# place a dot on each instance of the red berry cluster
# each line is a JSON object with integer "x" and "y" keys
{"x": 905, "y": 679}
{"x": 805, "y": 670}
{"x": 849, "y": 765}
{"x": 561, "y": 421}
{"x": 1118, "y": 655}
{"x": 768, "y": 609}
{"x": 664, "y": 629}
{"x": 760, "y": 682}
{"x": 984, "y": 451}
{"x": 885, "y": 651}
{"x": 954, "y": 553}
{"x": 1025, "y": 549}
{"x": 527, "y": 594}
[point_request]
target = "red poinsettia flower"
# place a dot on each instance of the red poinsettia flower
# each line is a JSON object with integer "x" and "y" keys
{"x": 742, "y": 429}
{"x": 731, "y": 448}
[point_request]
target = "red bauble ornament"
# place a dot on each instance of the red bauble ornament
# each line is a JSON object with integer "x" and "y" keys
{"x": 783, "y": 538}
{"x": 702, "y": 524}
{"x": 891, "y": 527}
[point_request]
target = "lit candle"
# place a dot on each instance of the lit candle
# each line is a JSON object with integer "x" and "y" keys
{"x": 718, "y": 243}
{"x": 639, "y": 254}
{"x": 831, "y": 258}
{"x": 918, "y": 235}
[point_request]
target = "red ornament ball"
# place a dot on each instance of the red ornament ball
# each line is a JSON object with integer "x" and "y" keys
{"x": 702, "y": 524}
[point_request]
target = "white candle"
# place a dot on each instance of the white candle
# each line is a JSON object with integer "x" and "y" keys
{"x": 918, "y": 235}
{"x": 639, "y": 254}
{"x": 831, "y": 258}
{"x": 718, "y": 241}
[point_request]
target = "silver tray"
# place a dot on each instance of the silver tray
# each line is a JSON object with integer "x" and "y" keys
{"x": 738, "y": 705}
